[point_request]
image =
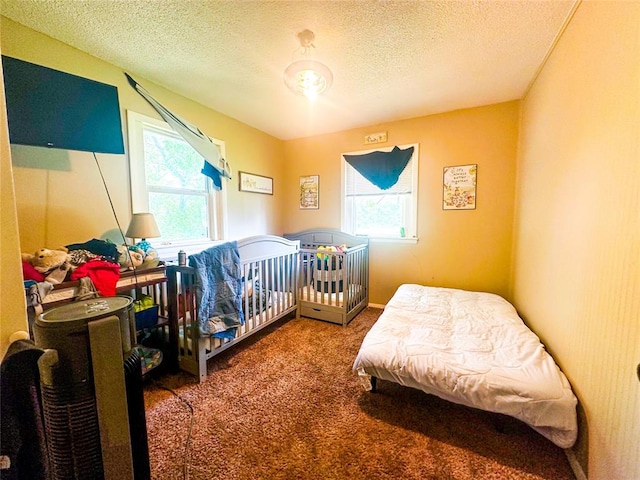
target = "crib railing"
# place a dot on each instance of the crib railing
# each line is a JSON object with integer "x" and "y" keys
{"x": 268, "y": 293}
{"x": 322, "y": 275}
{"x": 357, "y": 271}
{"x": 334, "y": 278}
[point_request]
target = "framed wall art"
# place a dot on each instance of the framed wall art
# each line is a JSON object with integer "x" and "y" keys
{"x": 310, "y": 192}
{"x": 459, "y": 187}
{"x": 255, "y": 183}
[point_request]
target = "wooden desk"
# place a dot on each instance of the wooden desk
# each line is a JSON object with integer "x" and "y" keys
{"x": 128, "y": 282}
{"x": 151, "y": 281}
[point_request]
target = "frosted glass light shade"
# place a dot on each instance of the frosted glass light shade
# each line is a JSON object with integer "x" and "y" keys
{"x": 143, "y": 225}
{"x": 308, "y": 77}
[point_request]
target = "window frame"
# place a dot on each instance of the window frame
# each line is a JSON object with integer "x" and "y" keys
{"x": 137, "y": 123}
{"x": 412, "y": 233}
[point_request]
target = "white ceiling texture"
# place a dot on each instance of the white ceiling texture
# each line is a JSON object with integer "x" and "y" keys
{"x": 390, "y": 59}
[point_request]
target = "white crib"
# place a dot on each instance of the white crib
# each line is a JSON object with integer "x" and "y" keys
{"x": 269, "y": 265}
{"x": 333, "y": 285}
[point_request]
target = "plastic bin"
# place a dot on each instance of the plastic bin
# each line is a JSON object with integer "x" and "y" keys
{"x": 147, "y": 318}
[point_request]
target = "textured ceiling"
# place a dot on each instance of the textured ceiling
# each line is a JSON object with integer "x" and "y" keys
{"x": 391, "y": 60}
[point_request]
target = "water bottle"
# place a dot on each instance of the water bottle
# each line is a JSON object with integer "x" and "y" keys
{"x": 182, "y": 258}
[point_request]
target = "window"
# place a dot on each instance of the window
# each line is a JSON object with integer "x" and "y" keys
{"x": 166, "y": 181}
{"x": 384, "y": 214}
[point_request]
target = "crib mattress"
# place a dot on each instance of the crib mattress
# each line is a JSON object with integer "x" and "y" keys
{"x": 336, "y": 299}
{"x": 473, "y": 349}
{"x": 312, "y": 295}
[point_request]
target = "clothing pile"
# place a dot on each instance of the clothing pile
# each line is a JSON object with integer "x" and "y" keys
{"x": 94, "y": 263}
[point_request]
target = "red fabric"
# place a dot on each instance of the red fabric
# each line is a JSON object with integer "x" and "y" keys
{"x": 30, "y": 273}
{"x": 190, "y": 303}
{"x": 104, "y": 275}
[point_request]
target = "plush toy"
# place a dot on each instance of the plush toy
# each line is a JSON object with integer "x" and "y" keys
{"x": 128, "y": 258}
{"x": 150, "y": 259}
{"x": 330, "y": 248}
{"x": 53, "y": 264}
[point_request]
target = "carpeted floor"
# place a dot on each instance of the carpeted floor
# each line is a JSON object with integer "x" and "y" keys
{"x": 285, "y": 404}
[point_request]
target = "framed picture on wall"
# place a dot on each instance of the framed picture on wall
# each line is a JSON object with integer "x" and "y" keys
{"x": 255, "y": 183}
{"x": 459, "y": 187}
{"x": 310, "y": 192}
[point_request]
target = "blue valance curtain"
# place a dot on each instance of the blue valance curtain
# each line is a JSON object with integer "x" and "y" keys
{"x": 215, "y": 167}
{"x": 381, "y": 168}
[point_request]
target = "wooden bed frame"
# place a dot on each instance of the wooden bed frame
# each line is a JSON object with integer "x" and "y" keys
{"x": 270, "y": 260}
{"x": 333, "y": 286}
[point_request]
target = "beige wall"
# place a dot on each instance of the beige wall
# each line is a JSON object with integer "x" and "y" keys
{"x": 575, "y": 264}
{"x": 13, "y": 316}
{"x": 576, "y": 276}
{"x": 59, "y": 194}
{"x": 462, "y": 249}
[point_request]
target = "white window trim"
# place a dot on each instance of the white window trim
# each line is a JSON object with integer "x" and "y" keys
{"x": 140, "y": 200}
{"x": 414, "y": 186}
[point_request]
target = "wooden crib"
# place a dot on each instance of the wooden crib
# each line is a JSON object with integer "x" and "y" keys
{"x": 269, "y": 269}
{"x": 333, "y": 285}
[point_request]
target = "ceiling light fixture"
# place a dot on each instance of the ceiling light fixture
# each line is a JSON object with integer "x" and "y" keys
{"x": 305, "y": 76}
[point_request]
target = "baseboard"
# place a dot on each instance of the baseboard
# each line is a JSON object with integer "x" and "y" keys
{"x": 376, "y": 305}
{"x": 575, "y": 465}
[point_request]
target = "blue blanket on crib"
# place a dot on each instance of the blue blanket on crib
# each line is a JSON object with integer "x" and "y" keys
{"x": 219, "y": 290}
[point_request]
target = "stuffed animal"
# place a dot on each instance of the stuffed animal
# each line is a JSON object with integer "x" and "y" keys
{"x": 128, "y": 258}
{"x": 150, "y": 259}
{"x": 53, "y": 264}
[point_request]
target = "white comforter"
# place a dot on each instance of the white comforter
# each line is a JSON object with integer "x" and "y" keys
{"x": 470, "y": 348}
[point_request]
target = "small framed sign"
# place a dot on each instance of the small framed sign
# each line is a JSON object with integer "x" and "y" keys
{"x": 378, "y": 137}
{"x": 459, "y": 187}
{"x": 310, "y": 192}
{"x": 255, "y": 183}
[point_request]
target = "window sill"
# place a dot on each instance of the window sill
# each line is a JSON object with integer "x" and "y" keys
{"x": 169, "y": 253}
{"x": 412, "y": 240}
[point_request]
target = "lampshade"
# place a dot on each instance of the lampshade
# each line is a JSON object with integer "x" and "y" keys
{"x": 306, "y": 76}
{"x": 143, "y": 225}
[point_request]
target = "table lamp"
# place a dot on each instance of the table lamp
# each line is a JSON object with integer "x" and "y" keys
{"x": 143, "y": 226}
